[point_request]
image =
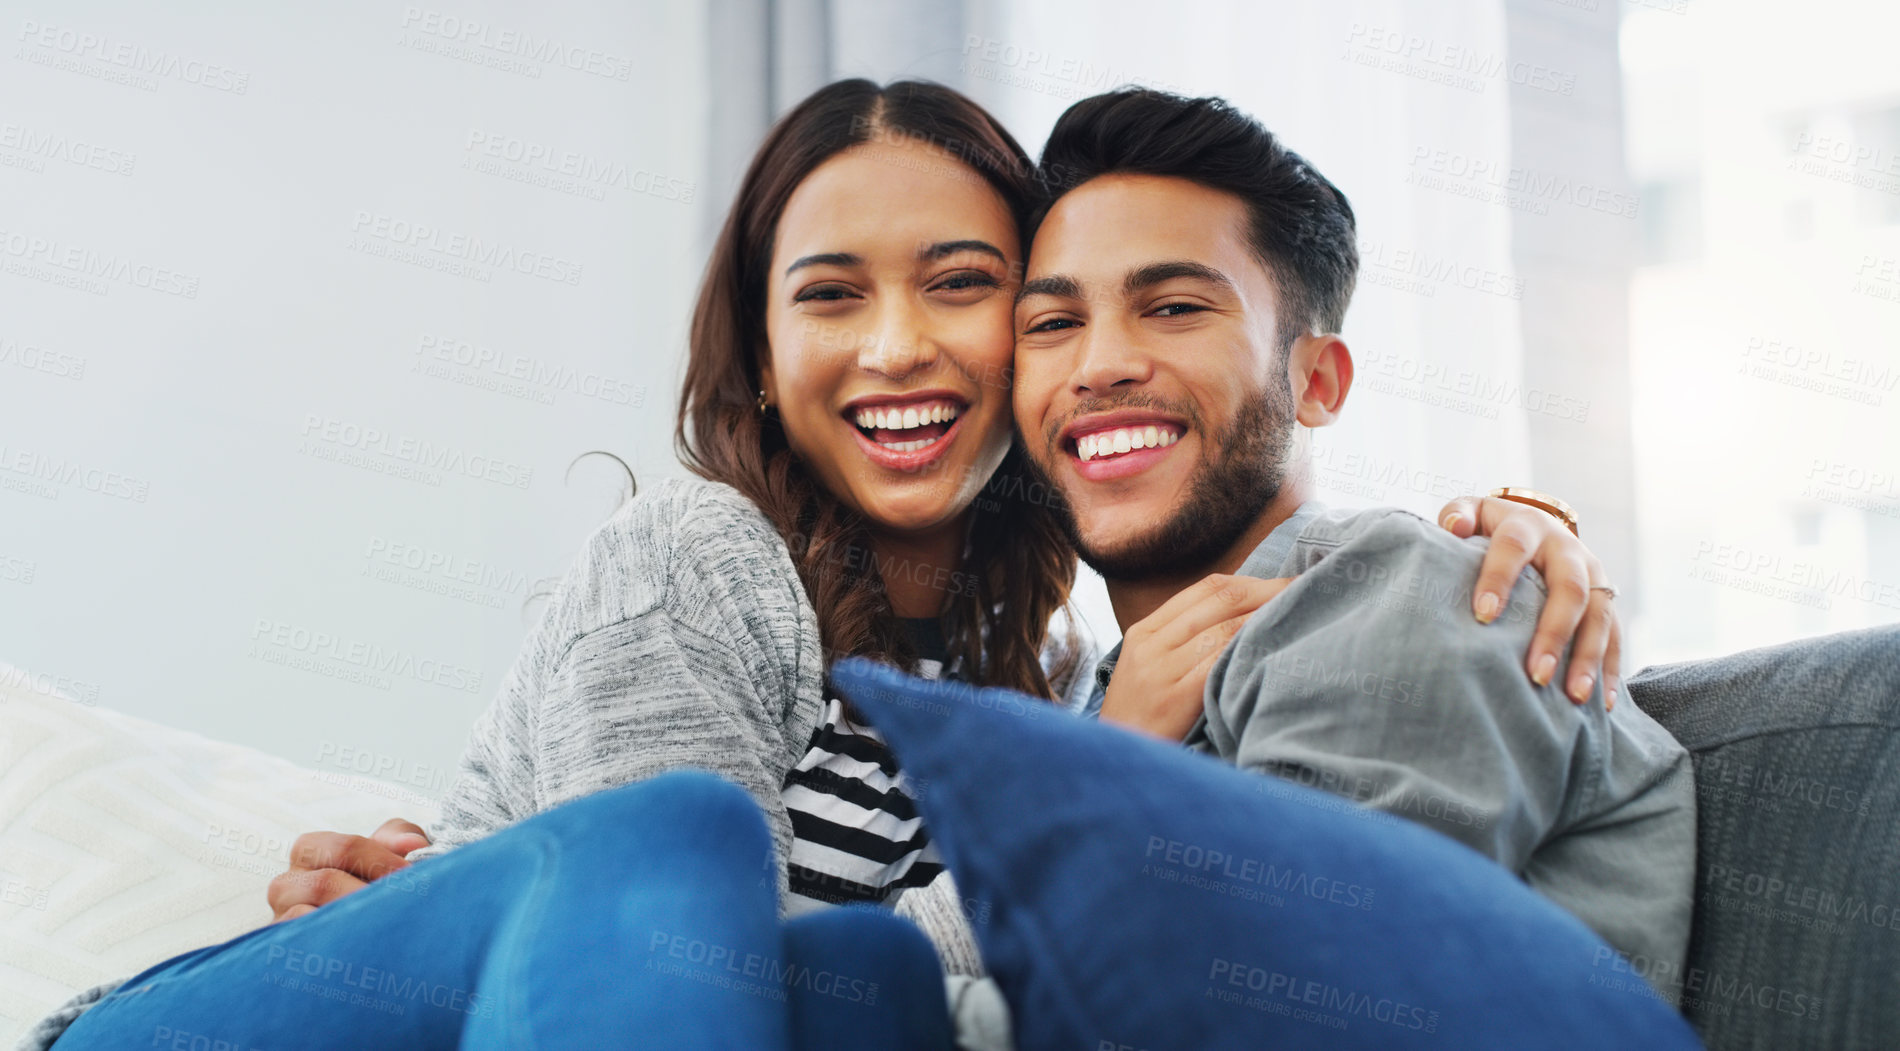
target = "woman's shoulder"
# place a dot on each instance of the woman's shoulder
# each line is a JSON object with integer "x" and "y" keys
{"x": 677, "y": 515}
{"x": 700, "y": 549}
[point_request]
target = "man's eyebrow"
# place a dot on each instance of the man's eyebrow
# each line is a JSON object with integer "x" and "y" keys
{"x": 931, "y": 252}
{"x": 826, "y": 259}
{"x": 1144, "y": 277}
{"x": 1060, "y": 285}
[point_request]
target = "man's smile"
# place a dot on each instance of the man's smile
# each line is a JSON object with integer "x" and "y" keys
{"x": 1109, "y": 445}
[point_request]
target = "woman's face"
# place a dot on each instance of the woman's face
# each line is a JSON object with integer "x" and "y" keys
{"x": 888, "y": 314}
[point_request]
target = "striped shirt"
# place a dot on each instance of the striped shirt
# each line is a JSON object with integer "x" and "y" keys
{"x": 856, "y": 834}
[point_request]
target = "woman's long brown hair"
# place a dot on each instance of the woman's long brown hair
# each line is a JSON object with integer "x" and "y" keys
{"x": 1018, "y": 565}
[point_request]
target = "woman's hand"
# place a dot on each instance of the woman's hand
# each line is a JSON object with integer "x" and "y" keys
{"x": 325, "y": 866}
{"x": 1166, "y": 655}
{"x": 1522, "y": 535}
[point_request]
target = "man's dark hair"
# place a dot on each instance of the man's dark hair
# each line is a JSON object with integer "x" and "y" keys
{"x": 1302, "y": 226}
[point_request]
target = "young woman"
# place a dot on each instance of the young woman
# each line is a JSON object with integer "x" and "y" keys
{"x": 846, "y": 408}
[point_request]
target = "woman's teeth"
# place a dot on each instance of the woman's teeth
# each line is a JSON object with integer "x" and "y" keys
{"x": 885, "y": 425}
{"x": 1124, "y": 439}
{"x": 908, "y": 417}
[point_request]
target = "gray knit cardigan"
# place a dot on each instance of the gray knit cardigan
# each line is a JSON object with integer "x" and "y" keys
{"x": 680, "y": 638}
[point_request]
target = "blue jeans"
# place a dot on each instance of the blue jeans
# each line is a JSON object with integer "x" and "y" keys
{"x": 640, "y": 916}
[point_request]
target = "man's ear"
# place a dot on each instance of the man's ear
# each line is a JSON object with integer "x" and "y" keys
{"x": 1320, "y": 370}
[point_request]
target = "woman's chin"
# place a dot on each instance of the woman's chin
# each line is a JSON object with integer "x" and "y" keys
{"x": 913, "y": 512}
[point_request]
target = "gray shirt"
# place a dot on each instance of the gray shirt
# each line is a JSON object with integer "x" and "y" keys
{"x": 1370, "y": 678}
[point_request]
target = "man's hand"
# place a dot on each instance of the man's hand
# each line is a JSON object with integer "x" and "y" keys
{"x": 1166, "y": 655}
{"x": 325, "y": 866}
{"x": 1574, "y": 617}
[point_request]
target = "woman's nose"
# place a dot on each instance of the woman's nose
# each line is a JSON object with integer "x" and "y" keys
{"x": 900, "y": 345}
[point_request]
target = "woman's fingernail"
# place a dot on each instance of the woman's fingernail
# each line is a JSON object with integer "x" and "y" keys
{"x": 1452, "y": 520}
{"x": 1609, "y": 699}
{"x": 1580, "y": 688}
{"x": 1488, "y": 607}
{"x": 1545, "y": 667}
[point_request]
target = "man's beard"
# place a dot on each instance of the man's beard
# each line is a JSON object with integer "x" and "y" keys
{"x": 1226, "y": 495}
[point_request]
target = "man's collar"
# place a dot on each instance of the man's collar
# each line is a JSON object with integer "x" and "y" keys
{"x": 1264, "y": 562}
{"x": 1272, "y": 552}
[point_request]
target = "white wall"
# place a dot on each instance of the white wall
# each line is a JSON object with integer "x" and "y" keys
{"x": 190, "y": 496}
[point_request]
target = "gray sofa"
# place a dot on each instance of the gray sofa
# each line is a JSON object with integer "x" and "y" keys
{"x": 1796, "y": 942}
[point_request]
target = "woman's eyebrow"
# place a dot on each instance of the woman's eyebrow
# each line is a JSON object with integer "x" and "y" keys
{"x": 931, "y": 252}
{"x": 826, "y": 259}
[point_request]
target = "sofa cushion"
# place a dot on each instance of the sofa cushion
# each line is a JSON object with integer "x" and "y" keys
{"x": 1796, "y": 937}
{"x": 1140, "y": 896}
{"x": 123, "y": 842}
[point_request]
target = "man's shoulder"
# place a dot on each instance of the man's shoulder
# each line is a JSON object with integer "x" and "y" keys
{"x": 1387, "y": 569}
{"x": 1387, "y": 537}
{"x": 1339, "y": 525}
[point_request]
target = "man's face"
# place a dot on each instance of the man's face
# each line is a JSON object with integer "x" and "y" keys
{"x": 1149, "y": 386}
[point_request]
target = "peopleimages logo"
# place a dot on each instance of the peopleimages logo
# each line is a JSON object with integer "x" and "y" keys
{"x": 39, "y": 359}
{"x": 1401, "y": 264}
{"x": 1767, "y": 572}
{"x": 40, "y": 146}
{"x": 62, "y": 471}
{"x": 1447, "y": 62}
{"x": 16, "y": 570}
{"x": 143, "y": 65}
{"x": 423, "y": 242}
{"x": 513, "y": 43}
{"x": 540, "y": 164}
{"x": 376, "y": 989}
{"x": 282, "y": 638}
{"x": 729, "y": 968}
{"x": 1521, "y": 189}
{"x": 518, "y": 375}
{"x": 1310, "y": 999}
{"x": 369, "y": 445}
{"x": 1471, "y": 389}
{"x": 91, "y": 267}
{"x": 1218, "y": 863}
{"x": 59, "y": 686}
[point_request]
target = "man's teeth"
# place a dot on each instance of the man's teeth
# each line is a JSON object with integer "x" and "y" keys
{"x": 896, "y": 419}
{"x": 1124, "y": 439}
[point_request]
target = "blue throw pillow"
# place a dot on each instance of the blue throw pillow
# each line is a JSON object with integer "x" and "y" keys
{"x": 1134, "y": 895}
{"x": 859, "y": 977}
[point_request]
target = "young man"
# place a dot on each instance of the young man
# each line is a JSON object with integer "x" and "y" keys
{"x": 1177, "y": 342}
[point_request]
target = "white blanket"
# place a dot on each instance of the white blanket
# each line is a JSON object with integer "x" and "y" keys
{"x": 124, "y": 842}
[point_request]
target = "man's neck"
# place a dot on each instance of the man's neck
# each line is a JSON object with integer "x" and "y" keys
{"x": 1135, "y": 599}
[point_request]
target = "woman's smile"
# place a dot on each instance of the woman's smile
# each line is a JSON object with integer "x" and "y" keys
{"x": 906, "y": 432}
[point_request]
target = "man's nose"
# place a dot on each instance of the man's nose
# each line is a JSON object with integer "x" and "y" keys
{"x": 1108, "y": 356}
